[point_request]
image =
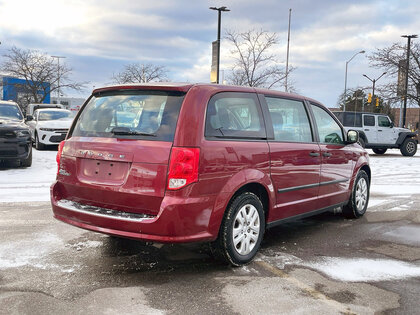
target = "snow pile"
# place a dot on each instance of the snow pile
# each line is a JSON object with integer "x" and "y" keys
{"x": 364, "y": 269}
{"x": 32, "y": 183}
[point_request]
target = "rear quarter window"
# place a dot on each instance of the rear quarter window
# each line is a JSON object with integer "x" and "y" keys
{"x": 150, "y": 115}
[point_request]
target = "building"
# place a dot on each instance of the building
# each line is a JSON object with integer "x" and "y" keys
{"x": 72, "y": 103}
{"x": 412, "y": 117}
{"x": 17, "y": 90}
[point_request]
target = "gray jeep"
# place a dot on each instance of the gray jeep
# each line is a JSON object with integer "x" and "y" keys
{"x": 377, "y": 132}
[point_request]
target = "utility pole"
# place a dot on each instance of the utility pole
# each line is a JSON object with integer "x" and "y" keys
{"x": 219, "y": 25}
{"x": 287, "y": 57}
{"x": 409, "y": 37}
{"x": 58, "y": 77}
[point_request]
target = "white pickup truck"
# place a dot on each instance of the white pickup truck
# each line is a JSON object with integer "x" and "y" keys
{"x": 377, "y": 132}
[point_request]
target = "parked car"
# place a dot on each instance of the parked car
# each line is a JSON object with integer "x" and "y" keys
{"x": 377, "y": 132}
{"x": 15, "y": 140}
{"x": 205, "y": 163}
{"x": 34, "y": 106}
{"x": 49, "y": 126}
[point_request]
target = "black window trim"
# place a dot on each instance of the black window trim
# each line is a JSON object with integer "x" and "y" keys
{"x": 233, "y": 137}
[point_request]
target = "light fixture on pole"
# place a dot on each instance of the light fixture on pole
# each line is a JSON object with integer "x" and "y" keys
{"x": 219, "y": 24}
{"x": 58, "y": 77}
{"x": 409, "y": 37}
{"x": 345, "y": 77}
{"x": 373, "y": 83}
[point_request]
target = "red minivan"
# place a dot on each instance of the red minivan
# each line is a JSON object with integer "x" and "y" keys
{"x": 199, "y": 162}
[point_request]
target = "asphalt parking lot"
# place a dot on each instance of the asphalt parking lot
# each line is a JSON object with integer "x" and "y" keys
{"x": 325, "y": 264}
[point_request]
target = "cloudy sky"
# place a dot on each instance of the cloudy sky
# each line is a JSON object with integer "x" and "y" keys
{"x": 99, "y": 37}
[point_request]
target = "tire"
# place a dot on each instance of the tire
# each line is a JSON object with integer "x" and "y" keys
{"x": 38, "y": 144}
{"x": 28, "y": 161}
{"x": 359, "y": 198}
{"x": 361, "y": 142}
{"x": 379, "y": 151}
{"x": 241, "y": 231}
{"x": 409, "y": 147}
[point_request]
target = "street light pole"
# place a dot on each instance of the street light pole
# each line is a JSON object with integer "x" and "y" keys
{"x": 219, "y": 24}
{"x": 409, "y": 37}
{"x": 345, "y": 77}
{"x": 373, "y": 83}
{"x": 58, "y": 77}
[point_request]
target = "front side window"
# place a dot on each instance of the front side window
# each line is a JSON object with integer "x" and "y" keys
{"x": 150, "y": 115}
{"x": 234, "y": 115}
{"x": 329, "y": 130}
{"x": 383, "y": 121}
{"x": 369, "y": 120}
{"x": 290, "y": 120}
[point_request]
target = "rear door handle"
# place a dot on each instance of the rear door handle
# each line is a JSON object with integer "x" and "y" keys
{"x": 366, "y": 129}
{"x": 379, "y": 130}
{"x": 314, "y": 154}
{"x": 326, "y": 154}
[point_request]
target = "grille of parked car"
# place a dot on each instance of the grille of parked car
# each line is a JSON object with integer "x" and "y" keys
{"x": 7, "y": 134}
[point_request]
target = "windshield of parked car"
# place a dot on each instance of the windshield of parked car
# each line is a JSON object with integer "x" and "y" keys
{"x": 10, "y": 112}
{"x": 150, "y": 115}
{"x": 55, "y": 115}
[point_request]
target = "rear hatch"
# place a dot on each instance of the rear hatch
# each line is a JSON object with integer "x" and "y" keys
{"x": 116, "y": 154}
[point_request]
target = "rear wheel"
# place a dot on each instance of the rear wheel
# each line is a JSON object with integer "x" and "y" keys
{"x": 379, "y": 151}
{"x": 241, "y": 231}
{"x": 359, "y": 197}
{"x": 409, "y": 147}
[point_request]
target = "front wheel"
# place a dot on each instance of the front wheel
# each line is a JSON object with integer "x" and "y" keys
{"x": 409, "y": 147}
{"x": 28, "y": 161}
{"x": 379, "y": 151}
{"x": 359, "y": 198}
{"x": 38, "y": 144}
{"x": 242, "y": 230}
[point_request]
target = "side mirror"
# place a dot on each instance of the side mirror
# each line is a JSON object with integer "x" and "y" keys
{"x": 352, "y": 136}
{"x": 29, "y": 117}
{"x": 392, "y": 125}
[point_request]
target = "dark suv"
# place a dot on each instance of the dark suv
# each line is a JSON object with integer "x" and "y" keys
{"x": 15, "y": 139}
{"x": 195, "y": 162}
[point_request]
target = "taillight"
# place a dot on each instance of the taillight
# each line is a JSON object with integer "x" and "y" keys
{"x": 58, "y": 157}
{"x": 183, "y": 167}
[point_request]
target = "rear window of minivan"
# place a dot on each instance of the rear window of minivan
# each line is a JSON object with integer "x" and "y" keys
{"x": 150, "y": 115}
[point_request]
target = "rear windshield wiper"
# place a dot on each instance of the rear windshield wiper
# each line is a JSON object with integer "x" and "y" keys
{"x": 124, "y": 131}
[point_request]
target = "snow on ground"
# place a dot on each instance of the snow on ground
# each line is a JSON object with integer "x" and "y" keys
{"x": 364, "y": 269}
{"x": 32, "y": 183}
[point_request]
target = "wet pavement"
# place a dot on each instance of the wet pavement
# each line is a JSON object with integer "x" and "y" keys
{"x": 325, "y": 264}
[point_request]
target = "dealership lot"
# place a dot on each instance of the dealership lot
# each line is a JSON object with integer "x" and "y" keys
{"x": 324, "y": 264}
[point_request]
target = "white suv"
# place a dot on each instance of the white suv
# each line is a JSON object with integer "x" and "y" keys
{"x": 49, "y": 126}
{"x": 377, "y": 132}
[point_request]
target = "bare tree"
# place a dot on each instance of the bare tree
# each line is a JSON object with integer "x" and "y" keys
{"x": 140, "y": 73}
{"x": 388, "y": 59}
{"x": 40, "y": 73}
{"x": 255, "y": 63}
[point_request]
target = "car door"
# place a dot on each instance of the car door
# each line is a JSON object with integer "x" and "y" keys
{"x": 336, "y": 158}
{"x": 369, "y": 128}
{"x": 386, "y": 131}
{"x": 295, "y": 157}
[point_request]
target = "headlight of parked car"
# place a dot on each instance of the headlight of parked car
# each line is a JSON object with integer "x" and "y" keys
{"x": 47, "y": 129}
{"x": 22, "y": 133}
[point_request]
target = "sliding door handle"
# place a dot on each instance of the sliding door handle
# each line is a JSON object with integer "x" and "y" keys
{"x": 326, "y": 154}
{"x": 314, "y": 154}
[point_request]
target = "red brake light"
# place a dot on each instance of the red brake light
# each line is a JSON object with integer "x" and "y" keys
{"x": 60, "y": 150}
{"x": 183, "y": 167}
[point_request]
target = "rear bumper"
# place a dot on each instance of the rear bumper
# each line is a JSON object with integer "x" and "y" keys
{"x": 17, "y": 148}
{"x": 180, "y": 220}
